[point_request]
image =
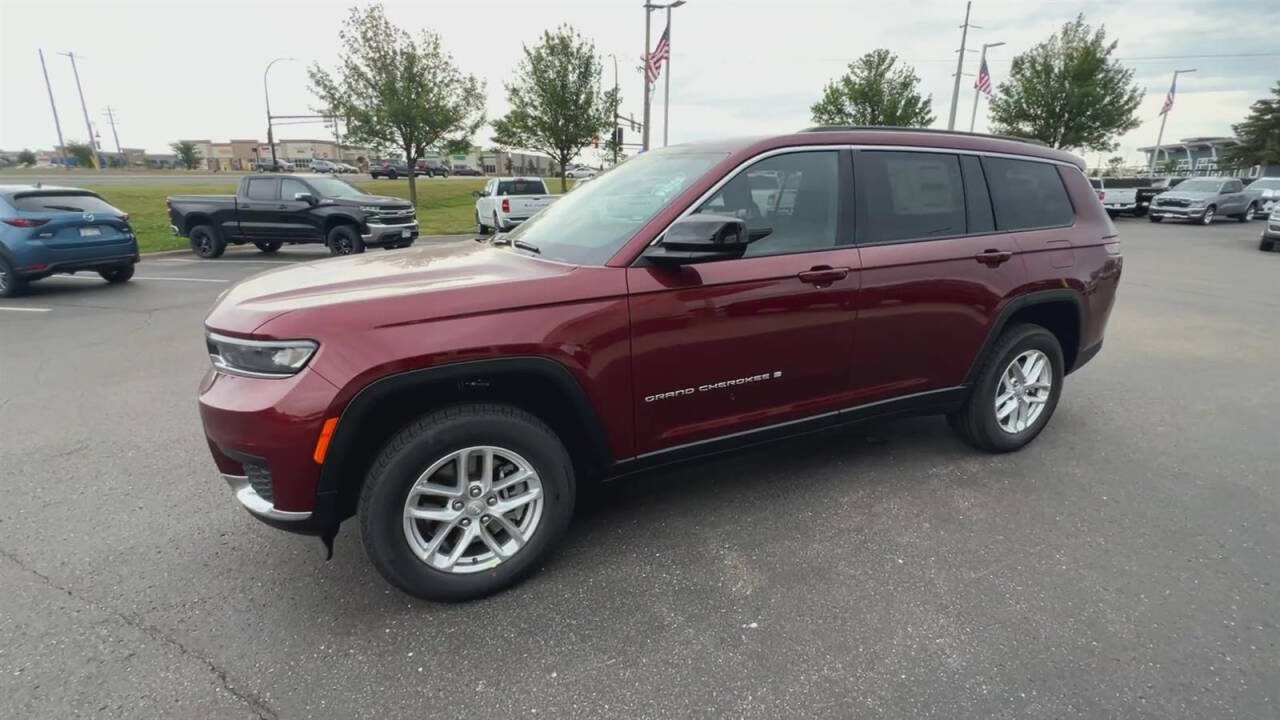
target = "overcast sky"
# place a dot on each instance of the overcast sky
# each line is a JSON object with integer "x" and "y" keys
{"x": 193, "y": 68}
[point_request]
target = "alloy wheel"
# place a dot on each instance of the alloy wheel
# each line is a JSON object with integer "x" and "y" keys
{"x": 1248, "y": 213}
{"x": 1025, "y": 387}
{"x": 4, "y": 279}
{"x": 1208, "y": 216}
{"x": 473, "y": 509}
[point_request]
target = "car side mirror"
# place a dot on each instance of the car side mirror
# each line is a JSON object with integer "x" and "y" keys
{"x": 476, "y": 193}
{"x": 703, "y": 238}
{"x": 305, "y": 197}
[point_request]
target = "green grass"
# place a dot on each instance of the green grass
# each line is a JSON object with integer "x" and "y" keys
{"x": 445, "y": 206}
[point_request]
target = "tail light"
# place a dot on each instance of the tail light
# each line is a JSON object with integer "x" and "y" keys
{"x": 506, "y": 205}
{"x": 25, "y": 222}
{"x": 124, "y": 217}
{"x": 1102, "y": 194}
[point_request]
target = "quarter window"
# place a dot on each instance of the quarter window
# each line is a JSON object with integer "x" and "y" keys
{"x": 1027, "y": 194}
{"x": 794, "y": 195}
{"x": 910, "y": 195}
{"x": 261, "y": 189}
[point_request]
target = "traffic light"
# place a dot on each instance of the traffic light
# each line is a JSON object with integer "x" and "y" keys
{"x": 617, "y": 136}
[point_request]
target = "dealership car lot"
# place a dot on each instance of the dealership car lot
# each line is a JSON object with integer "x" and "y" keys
{"x": 1125, "y": 564}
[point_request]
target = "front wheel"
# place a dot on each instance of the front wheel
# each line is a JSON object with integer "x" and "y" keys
{"x": 1016, "y": 393}
{"x": 1154, "y": 218}
{"x": 267, "y": 247}
{"x": 118, "y": 274}
{"x": 1266, "y": 245}
{"x": 467, "y": 501}
{"x": 1208, "y": 215}
{"x": 344, "y": 240}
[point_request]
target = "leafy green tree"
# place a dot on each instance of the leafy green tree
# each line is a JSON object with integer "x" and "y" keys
{"x": 397, "y": 91}
{"x": 1115, "y": 165}
{"x": 26, "y": 158}
{"x": 876, "y": 90}
{"x": 1259, "y": 134}
{"x": 557, "y": 106}
{"x": 82, "y": 152}
{"x": 188, "y": 153}
{"x": 1166, "y": 166}
{"x": 1068, "y": 92}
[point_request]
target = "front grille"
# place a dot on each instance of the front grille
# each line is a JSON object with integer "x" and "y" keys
{"x": 1173, "y": 202}
{"x": 393, "y": 217}
{"x": 259, "y": 479}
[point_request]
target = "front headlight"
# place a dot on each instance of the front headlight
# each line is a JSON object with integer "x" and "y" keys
{"x": 258, "y": 358}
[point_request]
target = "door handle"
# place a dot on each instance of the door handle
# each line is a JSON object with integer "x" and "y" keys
{"x": 992, "y": 258}
{"x": 823, "y": 275}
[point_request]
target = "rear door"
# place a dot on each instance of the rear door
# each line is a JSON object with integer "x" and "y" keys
{"x": 259, "y": 210}
{"x": 72, "y": 221}
{"x": 738, "y": 344}
{"x": 934, "y": 270}
{"x": 1235, "y": 191}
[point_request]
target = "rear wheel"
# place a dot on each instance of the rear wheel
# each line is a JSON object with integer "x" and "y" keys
{"x": 466, "y": 501}
{"x": 1248, "y": 213}
{"x": 1016, "y": 393}
{"x": 267, "y": 247}
{"x": 481, "y": 228}
{"x": 118, "y": 274}
{"x": 344, "y": 240}
{"x": 11, "y": 283}
{"x": 205, "y": 242}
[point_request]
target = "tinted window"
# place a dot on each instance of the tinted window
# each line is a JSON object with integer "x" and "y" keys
{"x": 55, "y": 202}
{"x": 910, "y": 195}
{"x": 1266, "y": 184}
{"x": 1096, "y": 183}
{"x": 521, "y": 187}
{"x": 1234, "y": 186}
{"x": 1128, "y": 183}
{"x": 1027, "y": 194}
{"x": 261, "y": 189}
{"x": 794, "y": 195}
{"x": 328, "y": 187}
{"x": 976, "y": 198}
{"x": 290, "y": 187}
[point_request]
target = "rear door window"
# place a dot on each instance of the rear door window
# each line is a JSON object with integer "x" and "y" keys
{"x": 61, "y": 202}
{"x": 262, "y": 189}
{"x": 1027, "y": 194}
{"x": 910, "y": 195}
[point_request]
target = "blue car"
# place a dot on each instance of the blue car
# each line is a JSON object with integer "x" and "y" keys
{"x": 49, "y": 230}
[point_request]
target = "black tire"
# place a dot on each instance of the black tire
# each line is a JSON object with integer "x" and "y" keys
{"x": 976, "y": 422}
{"x": 497, "y": 224}
{"x": 481, "y": 228}
{"x": 1266, "y": 245}
{"x": 1154, "y": 218}
{"x": 344, "y": 240}
{"x": 267, "y": 247}
{"x": 117, "y": 274}
{"x": 11, "y": 283}
{"x": 1248, "y": 214}
{"x": 206, "y": 243}
{"x": 391, "y": 174}
{"x": 414, "y": 449}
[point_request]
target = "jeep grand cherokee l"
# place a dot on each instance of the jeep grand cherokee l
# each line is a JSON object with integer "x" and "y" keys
{"x": 456, "y": 396}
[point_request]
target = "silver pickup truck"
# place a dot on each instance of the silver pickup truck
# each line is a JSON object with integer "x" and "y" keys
{"x": 1264, "y": 193}
{"x": 1203, "y": 200}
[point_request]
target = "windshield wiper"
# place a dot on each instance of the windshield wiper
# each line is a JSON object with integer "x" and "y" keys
{"x": 525, "y": 246}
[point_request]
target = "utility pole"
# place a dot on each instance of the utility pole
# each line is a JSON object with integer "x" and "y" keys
{"x": 976, "y": 92}
{"x": 97, "y": 161}
{"x": 271, "y": 142}
{"x": 955, "y": 91}
{"x": 644, "y": 142}
{"x": 615, "y": 108}
{"x": 1164, "y": 117}
{"x": 62, "y": 147}
{"x": 111, "y": 118}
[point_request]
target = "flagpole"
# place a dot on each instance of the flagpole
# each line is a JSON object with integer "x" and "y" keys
{"x": 644, "y": 141}
{"x": 1164, "y": 117}
{"x": 982, "y": 64}
{"x": 666, "y": 88}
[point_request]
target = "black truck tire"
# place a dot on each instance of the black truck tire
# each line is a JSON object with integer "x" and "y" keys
{"x": 267, "y": 247}
{"x": 206, "y": 243}
{"x": 344, "y": 240}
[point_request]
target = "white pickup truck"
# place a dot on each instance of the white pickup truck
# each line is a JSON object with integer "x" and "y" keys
{"x": 505, "y": 202}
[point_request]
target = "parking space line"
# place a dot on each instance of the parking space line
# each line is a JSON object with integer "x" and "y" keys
{"x": 140, "y": 277}
{"x": 223, "y": 261}
{"x": 23, "y": 309}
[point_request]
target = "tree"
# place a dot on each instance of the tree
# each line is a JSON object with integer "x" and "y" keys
{"x": 1114, "y": 165}
{"x": 1068, "y": 92}
{"x": 187, "y": 152}
{"x": 397, "y": 91}
{"x": 876, "y": 90}
{"x": 82, "y": 152}
{"x": 26, "y": 158}
{"x": 1259, "y": 134}
{"x": 556, "y": 103}
{"x": 1166, "y": 166}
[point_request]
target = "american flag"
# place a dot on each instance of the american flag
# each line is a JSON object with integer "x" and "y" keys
{"x": 983, "y": 82}
{"x": 1168, "y": 99}
{"x": 653, "y": 65}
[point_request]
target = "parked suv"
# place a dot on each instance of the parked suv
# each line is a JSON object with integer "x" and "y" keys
{"x": 49, "y": 230}
{"x": 457, "y": 396}
{"x": 1203, "y": 200}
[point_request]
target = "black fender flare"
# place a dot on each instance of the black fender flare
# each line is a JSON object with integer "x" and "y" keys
{"x": 331, "y": 509}
{"x": 1040, "y": 297}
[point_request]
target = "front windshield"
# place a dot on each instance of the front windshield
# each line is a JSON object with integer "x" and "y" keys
{"x": 587, "y": 226}
{"x": 335, "y": 188}
{"x": 1200, "y": 186}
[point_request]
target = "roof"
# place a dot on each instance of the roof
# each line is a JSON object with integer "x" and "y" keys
{"x": 1184, "y": 142}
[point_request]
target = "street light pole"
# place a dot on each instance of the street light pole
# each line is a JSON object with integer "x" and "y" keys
{"x": 666, "y": 91}
{"x": 271, "y": 142}
{"x": 955, "y": 91}
{"x": 1164, "y": 117}
{"x": 974, "y": 117}
{"x": 62, "y": 147}
{"x": 85, "y": 108}
{"x": 644, "y": 142}
{"x": 614, "y": 109}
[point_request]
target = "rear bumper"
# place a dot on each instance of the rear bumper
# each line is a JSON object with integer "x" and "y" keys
{"x": 37, "y": 265}
{"x": 1120, "y": 207}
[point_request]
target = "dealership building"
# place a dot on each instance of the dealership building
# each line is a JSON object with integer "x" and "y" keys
{"x": 1204, "y": 156}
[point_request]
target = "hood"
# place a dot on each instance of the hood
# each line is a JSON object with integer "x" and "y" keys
{"x": 385, "y": 288}
{"x": 379, "y": 200}
{"x": 1176, "y": 194}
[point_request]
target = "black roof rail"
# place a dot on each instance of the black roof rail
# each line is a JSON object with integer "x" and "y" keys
{"x": 932, "y": 131}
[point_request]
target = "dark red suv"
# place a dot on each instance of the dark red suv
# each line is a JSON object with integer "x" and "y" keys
{"x": 692, "y": 299}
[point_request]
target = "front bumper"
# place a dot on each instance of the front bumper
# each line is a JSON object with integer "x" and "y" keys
{"x": 1178, "y": 213}
{"x": 258, "y": 505}
{"x": 376, "y": 234}
{"x": 1272, "y": 229}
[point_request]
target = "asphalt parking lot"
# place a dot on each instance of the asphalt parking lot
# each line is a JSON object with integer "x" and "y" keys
{"x": 1126, "y": 564}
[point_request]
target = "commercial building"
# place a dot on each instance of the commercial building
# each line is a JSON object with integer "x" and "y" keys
{"x": 1204, "y": 156}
